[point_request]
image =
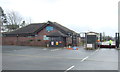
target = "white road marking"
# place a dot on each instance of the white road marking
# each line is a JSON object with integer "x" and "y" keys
{"x": 89, "y": 55}
{"x": 69, "y": 68}
{"x": 84, "y": 58}
{"x": 54, "y": 49}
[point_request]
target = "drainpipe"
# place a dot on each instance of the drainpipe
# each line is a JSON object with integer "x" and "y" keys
{"x": 17, "y": 39}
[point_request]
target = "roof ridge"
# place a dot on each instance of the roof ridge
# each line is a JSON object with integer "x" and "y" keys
{"x": 64, "y": 27}
{"x": 36, "y": 23}
{"x": 34, "y": 28}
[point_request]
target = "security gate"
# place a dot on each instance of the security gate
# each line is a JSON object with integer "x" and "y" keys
{"x": 115, "y": 42}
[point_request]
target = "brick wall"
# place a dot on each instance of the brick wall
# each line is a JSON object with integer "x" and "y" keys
{"x": 33, "y": 41}
{"x": 30, "y": 41}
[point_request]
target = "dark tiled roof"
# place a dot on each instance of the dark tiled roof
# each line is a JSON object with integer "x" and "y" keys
{"x": 63, "y": 28}
{"x": 36, "y": 27}
{"x": 57, "y": 34}
{"x": 27, "y": 29}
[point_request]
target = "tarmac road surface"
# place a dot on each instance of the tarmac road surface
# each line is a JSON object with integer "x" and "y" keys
{"x": 40, "y": 58}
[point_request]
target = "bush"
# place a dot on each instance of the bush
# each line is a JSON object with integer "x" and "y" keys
{"x": 38, "y": 40}
{"x": 30, "y": 40}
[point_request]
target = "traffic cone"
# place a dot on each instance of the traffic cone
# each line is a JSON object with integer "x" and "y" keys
{"x": 69, "y": 48}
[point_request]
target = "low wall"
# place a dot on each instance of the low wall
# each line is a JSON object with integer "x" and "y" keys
{"x": 23, "y": 41}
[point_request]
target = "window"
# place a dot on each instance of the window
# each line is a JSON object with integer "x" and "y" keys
{"x": 45, "y": 37}
{"x": 91, "y": 38}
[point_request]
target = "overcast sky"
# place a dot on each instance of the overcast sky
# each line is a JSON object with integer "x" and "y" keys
{"x": 78, "y": 15}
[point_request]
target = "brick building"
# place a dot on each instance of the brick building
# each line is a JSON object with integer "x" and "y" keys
{"x": 42, "y": 34}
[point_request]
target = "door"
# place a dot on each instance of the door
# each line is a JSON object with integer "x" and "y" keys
{"x": 57, "y": 41}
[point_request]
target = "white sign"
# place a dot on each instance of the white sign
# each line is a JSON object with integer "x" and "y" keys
{"x": 91, "y": 34}
{"x": 89, "y": 45}
{"x": 45, "y": 37}
{"x": 52, "y": 43}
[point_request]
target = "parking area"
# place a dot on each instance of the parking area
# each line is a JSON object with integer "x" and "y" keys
{"x": 40, "y": 58}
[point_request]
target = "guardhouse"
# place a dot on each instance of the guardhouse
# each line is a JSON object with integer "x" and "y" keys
{"x": 91, "y": 40}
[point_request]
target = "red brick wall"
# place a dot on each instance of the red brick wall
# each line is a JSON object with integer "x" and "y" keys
{"x": 68, "y": 41}
{"x": 78, "y": 41}
{"x": 9, "y": 40}
{"x": 26, "y": 40}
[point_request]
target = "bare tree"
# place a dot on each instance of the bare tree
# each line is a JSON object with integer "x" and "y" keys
{"x": 14, "y": 20}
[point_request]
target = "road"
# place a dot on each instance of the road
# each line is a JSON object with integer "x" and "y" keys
{"x": 40, "y": 58}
